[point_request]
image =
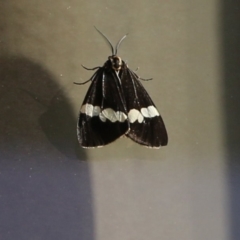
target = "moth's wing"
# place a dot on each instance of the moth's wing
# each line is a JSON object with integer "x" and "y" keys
{"x": 103, "y": 115}
{"x": 146, "y": 125}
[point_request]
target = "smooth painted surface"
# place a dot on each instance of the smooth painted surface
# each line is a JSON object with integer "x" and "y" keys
{"x": 50, "y": 188}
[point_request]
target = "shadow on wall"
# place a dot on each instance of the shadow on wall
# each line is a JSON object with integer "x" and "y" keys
{"x": 27, "y": 84}
{"x": 44, "y": 178}
{"x": 231, "y": 85}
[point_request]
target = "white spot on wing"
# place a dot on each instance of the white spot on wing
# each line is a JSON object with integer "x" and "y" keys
{"x": 121, "y": 116}
{"x": 149, "y": 112}
{"x": 90, "y": 110}
{"x": 87, "y": 109}
{"x": 82, "y": 110}
{"x": 102, "y": 117}
{"x": 133, "y": 115}
{"x": 140, "y": 118}
{"x": 144, "y": 112}
{"x": 96, "y": 111}
{"x": 107, "y": 113}
{"x": 152, "y": 111}
{"x": 113, "y": 116}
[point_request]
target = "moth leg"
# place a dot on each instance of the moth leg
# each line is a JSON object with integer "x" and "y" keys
{"x": 91, "y": 79}
{"x": 83, "y": 82}
{"x": 90, "y": 68}
{"x": 143, "y": 79}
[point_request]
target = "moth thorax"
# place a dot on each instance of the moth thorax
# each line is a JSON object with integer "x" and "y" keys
{"x": 116, "y": 62}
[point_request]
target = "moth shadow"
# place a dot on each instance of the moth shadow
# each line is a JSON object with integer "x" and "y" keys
{"x": 47, "y": 190}
{"x": 22, "y": 81}
{"x": 60, "y": 127}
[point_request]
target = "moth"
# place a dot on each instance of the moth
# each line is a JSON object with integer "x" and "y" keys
{"x": 116, "y": 104}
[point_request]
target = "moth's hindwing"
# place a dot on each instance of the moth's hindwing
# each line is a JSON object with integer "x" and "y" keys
{"x": 146, "y": 125}
{"x": 103, "y": 115}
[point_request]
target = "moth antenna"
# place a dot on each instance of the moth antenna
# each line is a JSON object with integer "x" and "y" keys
{"x": 106, "y": 40}
{"x": 119, "y": 42}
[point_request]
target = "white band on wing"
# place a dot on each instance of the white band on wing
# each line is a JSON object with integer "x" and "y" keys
{"x": 110, "y": 114}
{"x": 107, "y": 113}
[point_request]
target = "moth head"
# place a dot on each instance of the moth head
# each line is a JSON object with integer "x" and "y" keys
{"x": 116, "y": 62}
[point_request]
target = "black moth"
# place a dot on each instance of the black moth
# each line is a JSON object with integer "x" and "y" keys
{"x": 117, "y": 104}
